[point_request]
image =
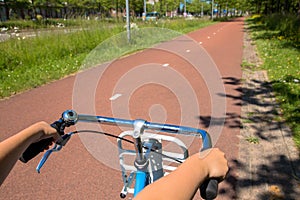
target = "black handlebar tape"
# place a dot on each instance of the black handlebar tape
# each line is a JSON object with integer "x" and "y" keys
{"x": 35, "y": 148}
{"x": 209, "y": 189}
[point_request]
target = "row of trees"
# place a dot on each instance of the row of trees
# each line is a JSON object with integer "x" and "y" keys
{"x": 63, "y": 8}
{"x": 73, "y": 8}
{"x": 273, "y": 6}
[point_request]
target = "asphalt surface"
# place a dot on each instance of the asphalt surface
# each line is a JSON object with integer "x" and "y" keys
{"x": 189, "y": 81}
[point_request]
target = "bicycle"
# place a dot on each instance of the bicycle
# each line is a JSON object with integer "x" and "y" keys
{"x": 149, "y": 156}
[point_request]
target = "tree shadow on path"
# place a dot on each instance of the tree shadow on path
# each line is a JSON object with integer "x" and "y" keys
{"x": 268, "y": 164}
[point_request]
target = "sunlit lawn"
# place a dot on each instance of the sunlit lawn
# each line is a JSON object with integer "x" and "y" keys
{"x": 30, "y": 62}
{"x": 281, "y": 58}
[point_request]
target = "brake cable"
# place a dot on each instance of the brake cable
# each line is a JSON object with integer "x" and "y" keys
{"x": 126, "y": 140}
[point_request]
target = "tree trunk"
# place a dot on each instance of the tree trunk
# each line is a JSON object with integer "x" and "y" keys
{"x": 6, "y": 10}
{"x": 286, "y": 6}
{"x": 266, "y": 9}
{"x": 117, "y": 9}
{"x": 298, "y": 8}
{"x": 272, "y": 6}
{"x": 278, "y": 10}
{"x": 33, "y": 10}
{"x": 258, "y": 7}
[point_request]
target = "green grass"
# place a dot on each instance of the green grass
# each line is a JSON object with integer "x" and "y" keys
{"x": 30, "y": 62}
{"x": 47, "y": 23}
{"x": 252, "y": 140}
{"x": 182, "y": 25}
{"x": 245, "y": 64}
{"x": 27, "y": 63}
{"x": 281, "y": 58}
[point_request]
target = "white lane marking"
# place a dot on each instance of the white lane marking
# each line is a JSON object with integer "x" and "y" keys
{"x": 208, "y": 37}
{"x": 188, "y": 51}
{"x": 165, "y": 65}
{"x": 200, "y": 42}
{"x": 115, "y": 97}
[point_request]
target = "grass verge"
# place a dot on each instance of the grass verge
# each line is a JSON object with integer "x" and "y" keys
{"x": 30, "y": 62}
{"x": 281, "y": 58}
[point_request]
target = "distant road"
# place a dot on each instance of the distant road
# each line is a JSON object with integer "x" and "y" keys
{"x": 23, "y": 34}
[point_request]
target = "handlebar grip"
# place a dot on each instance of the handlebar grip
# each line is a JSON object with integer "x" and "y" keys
{"x": 209, "y": 189}
{"x": 35, "y": 148}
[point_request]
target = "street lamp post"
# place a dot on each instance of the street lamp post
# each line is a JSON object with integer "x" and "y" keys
{"x": 201, "y": 9}
{"x": 212, "y": 9}
{"x": 184, "y": 9}
{"x": 145, "y": 10}
{"x": 128, "y": 21}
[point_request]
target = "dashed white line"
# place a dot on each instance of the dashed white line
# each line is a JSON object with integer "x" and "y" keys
{"x": 165, "y": 65}
{"x": 115, "y": 97}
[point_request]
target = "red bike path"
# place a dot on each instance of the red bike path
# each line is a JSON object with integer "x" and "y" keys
{"x": 74, "y": 173}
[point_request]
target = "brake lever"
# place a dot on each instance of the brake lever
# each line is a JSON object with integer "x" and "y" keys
{"x": 57, "y": 147}
{"x": 46, "y": 156}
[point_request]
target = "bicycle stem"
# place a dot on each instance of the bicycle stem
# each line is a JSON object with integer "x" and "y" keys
{"x": 140, "y": 161}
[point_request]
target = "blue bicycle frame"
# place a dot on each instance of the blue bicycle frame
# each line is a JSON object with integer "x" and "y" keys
{"x": 140, "y": 182}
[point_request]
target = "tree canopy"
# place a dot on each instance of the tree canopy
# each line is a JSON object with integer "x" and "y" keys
{"x": 23, "y": 7}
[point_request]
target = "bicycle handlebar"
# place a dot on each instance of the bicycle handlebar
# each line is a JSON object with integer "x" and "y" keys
{"x": 208, "y": 190}
{"x": 167, "y": 128}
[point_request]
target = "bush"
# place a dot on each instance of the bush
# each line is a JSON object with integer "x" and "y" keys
{"x": 286, "y": 25}
{"x": 21, "y": 24}
{"x": 39, "y": 17}
{"x": 40, "y": 22}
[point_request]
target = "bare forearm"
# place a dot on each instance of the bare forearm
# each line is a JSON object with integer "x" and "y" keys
{"x": 12, "y": 148}
{"x": 184, "y": 182}
{"x": 180, "y": 184}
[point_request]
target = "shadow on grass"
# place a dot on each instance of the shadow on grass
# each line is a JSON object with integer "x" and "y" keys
{"x": 288, "y": 92}
{"x": 262, "y": 31}
{"x": 263, "y": 120}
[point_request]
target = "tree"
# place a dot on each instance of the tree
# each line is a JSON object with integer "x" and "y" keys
{"x": 137, "y": 6}
{"x": 196, "y": 7}
{"x": 17, "y": 7}
{"x": 273, "y": 6}
{"x": 75, "y": 7}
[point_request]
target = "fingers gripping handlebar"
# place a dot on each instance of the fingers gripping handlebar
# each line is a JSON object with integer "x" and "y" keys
{"x": 67, "y": 119}
{"x": 208, "y": 189}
